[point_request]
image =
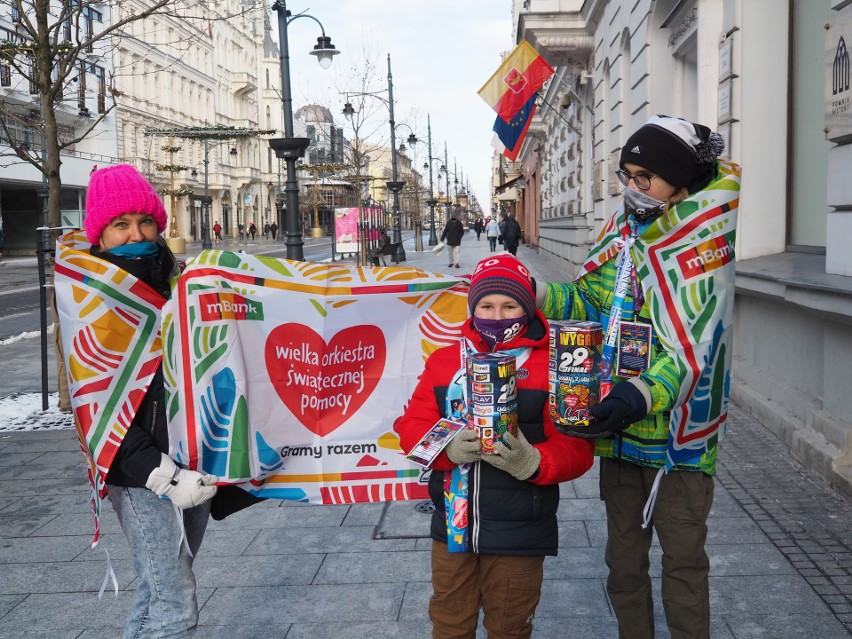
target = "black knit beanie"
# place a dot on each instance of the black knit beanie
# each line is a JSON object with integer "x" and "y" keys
{"x": 681, "y": 152}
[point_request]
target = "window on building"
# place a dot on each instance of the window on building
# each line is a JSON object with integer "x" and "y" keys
{"x": 100, "y": 78}
{"x": 89, "y": 17}
{"x": 31, "y": 71}
{"x": 81, "y": 89}
{"x": 809, "y": 200}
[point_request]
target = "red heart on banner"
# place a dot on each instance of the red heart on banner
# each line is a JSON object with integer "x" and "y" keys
{"x": 324, "y": 384}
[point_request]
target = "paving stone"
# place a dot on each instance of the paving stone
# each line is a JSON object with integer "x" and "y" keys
{"x": 324, "y": 540}
{"x": 304, "y": 604}
{"x": 245, "y": 571}
{"x": 374, "y": 568}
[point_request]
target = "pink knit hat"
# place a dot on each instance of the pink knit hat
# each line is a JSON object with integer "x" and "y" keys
{"x": 118, "y": 190}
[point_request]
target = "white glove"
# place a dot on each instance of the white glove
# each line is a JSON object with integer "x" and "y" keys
{"x": 186, "y": 488}
{"x": 465, "y": 447}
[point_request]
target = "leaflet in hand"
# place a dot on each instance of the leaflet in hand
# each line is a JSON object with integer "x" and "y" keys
{"x": 434, "y": 441}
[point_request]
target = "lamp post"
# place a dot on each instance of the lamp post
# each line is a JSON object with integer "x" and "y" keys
{"x": 433, "y": 237}
{"x": 447, "y": 174}
{"x": 290, "y": 148}
{"x": 395, "y": 185}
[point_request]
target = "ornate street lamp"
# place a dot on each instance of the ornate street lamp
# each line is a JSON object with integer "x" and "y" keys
{"x": 395, "y": 186}
{"x": 290, "y": 148}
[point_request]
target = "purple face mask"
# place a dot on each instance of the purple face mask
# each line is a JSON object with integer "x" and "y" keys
{"x": 500, "y": 330}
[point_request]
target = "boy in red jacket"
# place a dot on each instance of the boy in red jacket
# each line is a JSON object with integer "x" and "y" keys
{"x": 512, "y": 494}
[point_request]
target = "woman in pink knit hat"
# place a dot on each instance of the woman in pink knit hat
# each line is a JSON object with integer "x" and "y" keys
{"x": 124, "y": 219}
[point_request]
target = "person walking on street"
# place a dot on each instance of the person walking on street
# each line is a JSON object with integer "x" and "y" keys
{"x": 452, "y": 235}
{"x": 241, "y": 230}
{"x": 492, "y": 232}
{"x": 252, "y": 229}
{"x": 508, "y": 516}
{"x": 511, "y": 234}
{"x": 266, "y": 231}
{"x": 478, "y": 227}
{"x": 273, "y": 228}
{"x": 124, "y": 220}
{"x": 217, "y": 232}
{"x": 658, "y": 426}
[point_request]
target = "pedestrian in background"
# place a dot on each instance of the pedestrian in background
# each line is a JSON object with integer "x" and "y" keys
{"x": 492, "y": 232}
{"x": 452, "y": 234}
{"x": 511, "y": 232}
{"x": 513, "y": 494}
{"x": 478, "y": 227}
{"x": 252, "y": 229}
{"x": 124, "y": 217}
{"x": 273, "y": 228}
{"x": 266, "y": 230}
{"x": 217, "y": 232}
{"x": 657, "y": 429}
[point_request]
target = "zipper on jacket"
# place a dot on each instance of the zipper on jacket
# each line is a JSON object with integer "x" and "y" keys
{"x": 154, "y": 418}
{"x": 473, "y": 507}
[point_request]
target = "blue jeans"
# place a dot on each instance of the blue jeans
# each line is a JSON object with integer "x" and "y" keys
{"x": 492, "y": 242}
{"x": 166, "y": 605}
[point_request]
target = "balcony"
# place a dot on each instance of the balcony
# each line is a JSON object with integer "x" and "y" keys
{"x": 562, "y": 35}
{"x": 243, "y": 82}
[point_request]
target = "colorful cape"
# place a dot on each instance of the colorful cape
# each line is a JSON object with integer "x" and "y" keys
{"x": 685, "y": 261}
{"x": 286, "y": 377}
{"x": 110, "y": 327}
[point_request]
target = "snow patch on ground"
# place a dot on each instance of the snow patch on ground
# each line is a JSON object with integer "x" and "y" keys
{"x": 22, "y": 411}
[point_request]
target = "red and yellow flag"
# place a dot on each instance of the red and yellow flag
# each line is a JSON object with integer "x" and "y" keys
{"x": 518, "y": 78}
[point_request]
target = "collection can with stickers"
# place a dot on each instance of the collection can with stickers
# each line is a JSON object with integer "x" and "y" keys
{"x": 574, "y": 375}
{"x": 493, "y": 397}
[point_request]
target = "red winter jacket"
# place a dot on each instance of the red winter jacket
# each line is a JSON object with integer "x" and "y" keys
{"x": 506, "y": 516}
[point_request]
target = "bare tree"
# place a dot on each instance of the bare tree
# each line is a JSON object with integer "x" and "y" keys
{"x": 48, "y": 53}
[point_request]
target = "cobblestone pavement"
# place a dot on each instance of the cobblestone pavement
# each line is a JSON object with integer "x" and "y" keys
{"x": 807, "y": 520}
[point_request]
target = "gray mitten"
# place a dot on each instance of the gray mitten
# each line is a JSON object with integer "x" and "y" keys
{"x": 517, "y": 456}
{"x": 186, "y": 488}
{"x": 465, "y": 447}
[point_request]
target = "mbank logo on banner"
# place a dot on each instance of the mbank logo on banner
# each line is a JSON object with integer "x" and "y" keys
{"x": 705, "y": 257}
{"x": 228, "y": 306}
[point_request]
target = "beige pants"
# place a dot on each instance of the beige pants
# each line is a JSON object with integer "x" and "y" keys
{"x": 453, "y": 253}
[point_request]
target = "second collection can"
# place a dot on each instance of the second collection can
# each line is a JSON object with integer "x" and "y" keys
{"x": 574, "y": 376}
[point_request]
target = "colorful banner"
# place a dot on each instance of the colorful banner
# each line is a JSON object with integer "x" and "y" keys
{"x": 286, "y": 377}
{"x": 516, "y": 81}
{"x": 110, "y": 328}
{"x": 346, "y": 229}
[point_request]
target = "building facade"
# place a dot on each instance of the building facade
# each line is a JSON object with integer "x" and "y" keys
{"x": 773, "y": 78}
{"x": 201, "y": 75}
{"x": 81, "y": 103}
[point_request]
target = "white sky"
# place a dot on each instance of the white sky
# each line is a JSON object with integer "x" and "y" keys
{"x": 442, "y": 52}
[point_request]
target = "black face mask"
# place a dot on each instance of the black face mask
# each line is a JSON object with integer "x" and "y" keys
{"x": 642, "y": 206}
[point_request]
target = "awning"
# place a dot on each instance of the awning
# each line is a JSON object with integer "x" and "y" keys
{"x": 509, "y": 195}
{"x": 518, "y": 182}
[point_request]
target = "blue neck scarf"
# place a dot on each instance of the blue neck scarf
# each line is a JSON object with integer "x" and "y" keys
{"x": 136, "y": 250}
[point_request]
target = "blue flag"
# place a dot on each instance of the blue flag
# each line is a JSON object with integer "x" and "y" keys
{"x": 511, "y": 134}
